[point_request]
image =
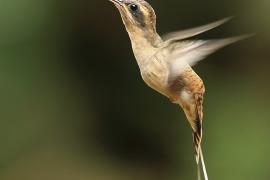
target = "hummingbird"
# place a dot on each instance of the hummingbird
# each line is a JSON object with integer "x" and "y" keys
{"x": 165, "y": 62}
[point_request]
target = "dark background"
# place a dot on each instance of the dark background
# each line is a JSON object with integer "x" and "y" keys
{"x": 73, "y": 105}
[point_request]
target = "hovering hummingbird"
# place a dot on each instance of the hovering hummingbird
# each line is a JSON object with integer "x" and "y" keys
{"x": 165, "y": 62}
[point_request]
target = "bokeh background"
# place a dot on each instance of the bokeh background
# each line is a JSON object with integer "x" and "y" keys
{"x": 73, "y": 105}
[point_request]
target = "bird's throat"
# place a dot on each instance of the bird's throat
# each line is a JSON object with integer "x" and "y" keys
{"x": 146, "y": 37}
{"x": 144, "y": 45}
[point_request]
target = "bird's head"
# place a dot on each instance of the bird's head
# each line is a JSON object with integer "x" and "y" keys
{"x": 137, "y": 15}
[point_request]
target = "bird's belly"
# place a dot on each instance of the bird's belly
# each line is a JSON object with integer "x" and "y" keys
{"x": 155, "y": 73}
{"x": 155, "y": 81}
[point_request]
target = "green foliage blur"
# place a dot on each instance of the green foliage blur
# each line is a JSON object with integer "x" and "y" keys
{"x": 73, "y": 105}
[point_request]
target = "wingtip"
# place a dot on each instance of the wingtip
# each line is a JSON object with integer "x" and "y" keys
{"x": 242, "y": 37}
{"x": 246, "y": 36}
{"x": 226, "y": 19}
{"x": 221, "y": 21}
{"x": 183, "y": 34}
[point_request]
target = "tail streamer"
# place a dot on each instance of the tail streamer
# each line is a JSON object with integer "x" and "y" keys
{"x": 203, "y": 167}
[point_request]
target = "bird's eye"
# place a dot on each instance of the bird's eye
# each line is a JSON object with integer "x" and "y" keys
{"x": 133, "y": 7}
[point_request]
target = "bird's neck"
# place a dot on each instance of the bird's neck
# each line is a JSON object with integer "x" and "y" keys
{"x": 148, "y": 36}
{"x": 144, "y": 44}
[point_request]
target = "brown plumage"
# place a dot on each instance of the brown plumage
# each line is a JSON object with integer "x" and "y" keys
{"x": 191, "y": 101}
{"x": 165, "y": 63}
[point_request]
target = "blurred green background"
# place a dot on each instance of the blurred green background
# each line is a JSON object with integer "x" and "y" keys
{"x": 73, "y": 105}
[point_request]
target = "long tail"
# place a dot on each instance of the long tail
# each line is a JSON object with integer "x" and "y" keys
{"x": 197, "y": 137}
{"x": 194, "y": 113}
{"x": 203, "y": 165}
{"x": 199, "y": 156}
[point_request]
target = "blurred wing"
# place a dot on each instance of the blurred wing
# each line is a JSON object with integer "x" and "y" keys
{"x": 178, "y": 35}
{"x": 191, "y": 52}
